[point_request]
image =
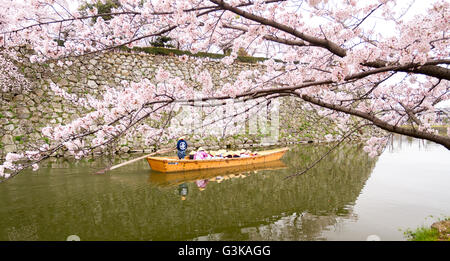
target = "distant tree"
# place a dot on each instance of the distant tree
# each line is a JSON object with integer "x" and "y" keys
{"x": 242, "y": 52}
{"x": 162, "y": 41}
{"x": 103, "y": 7}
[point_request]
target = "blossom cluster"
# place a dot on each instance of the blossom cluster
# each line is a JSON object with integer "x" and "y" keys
{"x": 375, "y": 145}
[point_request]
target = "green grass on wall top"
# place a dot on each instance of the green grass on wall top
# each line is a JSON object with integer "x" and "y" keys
{"x": 172, "y": 52}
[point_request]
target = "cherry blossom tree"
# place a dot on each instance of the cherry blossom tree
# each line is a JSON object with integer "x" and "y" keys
{"x": 332, "y": 55}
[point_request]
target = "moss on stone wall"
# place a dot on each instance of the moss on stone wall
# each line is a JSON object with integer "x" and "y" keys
{"x": 176, "y": 52}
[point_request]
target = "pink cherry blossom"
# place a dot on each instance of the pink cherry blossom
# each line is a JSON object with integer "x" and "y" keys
{"x": 13, "y": 157}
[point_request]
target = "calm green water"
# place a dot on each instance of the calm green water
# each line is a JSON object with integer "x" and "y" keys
{"x": 348, "y": 196}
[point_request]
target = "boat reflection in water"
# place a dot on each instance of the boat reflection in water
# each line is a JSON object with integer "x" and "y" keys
{"x": 203, "y": 176}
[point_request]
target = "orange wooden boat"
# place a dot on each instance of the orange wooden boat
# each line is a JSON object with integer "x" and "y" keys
{"x": 173, "y": 164}
{"x": 176, "y": 178}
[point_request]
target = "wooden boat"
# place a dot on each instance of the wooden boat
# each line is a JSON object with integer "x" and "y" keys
{"x": 173, "y": 164}
{"x": 176, "y": 178}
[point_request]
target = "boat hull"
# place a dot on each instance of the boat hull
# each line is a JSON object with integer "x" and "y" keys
{"x": 176, "y": 178}
{"x": 171, "y": 164}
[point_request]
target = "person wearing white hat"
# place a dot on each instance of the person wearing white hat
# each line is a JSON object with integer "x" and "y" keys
{"x": 200, "y": 154}
{"x": 181, "y": 147}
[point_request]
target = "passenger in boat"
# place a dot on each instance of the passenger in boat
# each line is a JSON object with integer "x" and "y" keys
{"x": 181, "y": 147}
{"x": 215, "y": 155}
{"x": 191, "y": 155}
{"x": 251, "y": 154}
{"x": 200, "y": 154}
{"x": 220, "y": 154}
{"x": 244, "y": 155}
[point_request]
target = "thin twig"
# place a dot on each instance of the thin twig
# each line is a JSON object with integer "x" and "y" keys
{"x": 328, "y": 152}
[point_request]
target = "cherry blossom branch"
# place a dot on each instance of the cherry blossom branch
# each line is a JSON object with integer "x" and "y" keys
{"x": 367, "y": 16}
{"x": 430, "y": 68}
{"x": 332, "y": 47}
{"x": 445, "y": 141}
{"x": 40, "y": 24}
{"x": 271, "y": 37}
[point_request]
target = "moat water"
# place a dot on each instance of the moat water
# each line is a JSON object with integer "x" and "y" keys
{"x": 347, "y": 196}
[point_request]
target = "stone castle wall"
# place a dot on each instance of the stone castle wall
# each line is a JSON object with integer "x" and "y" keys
{"x": 23, "y": 114}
